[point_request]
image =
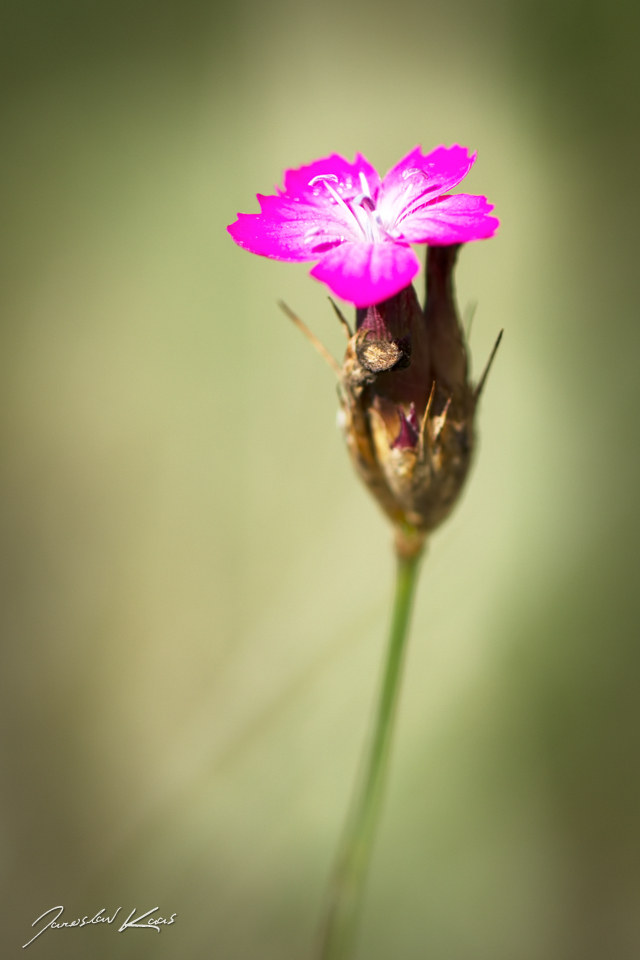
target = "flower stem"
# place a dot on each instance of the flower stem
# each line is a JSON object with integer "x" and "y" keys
{"x": 347, "y": 883}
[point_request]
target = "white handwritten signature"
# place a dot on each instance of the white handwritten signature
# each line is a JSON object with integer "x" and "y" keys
{"x": 153, "y": 923}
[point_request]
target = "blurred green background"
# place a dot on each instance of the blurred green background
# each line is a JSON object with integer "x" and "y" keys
{"x": 195, "y": 587}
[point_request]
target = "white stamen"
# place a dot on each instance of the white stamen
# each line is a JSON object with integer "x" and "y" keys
{"x": 361, "y": 209}
{"x": 365, "y": 222}
{"x": 323, "y": 177}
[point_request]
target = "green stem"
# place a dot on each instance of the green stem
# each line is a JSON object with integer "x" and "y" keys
{"x": 346, "y": 887}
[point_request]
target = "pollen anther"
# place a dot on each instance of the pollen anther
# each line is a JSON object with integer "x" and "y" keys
{"x": 323, "y": 176}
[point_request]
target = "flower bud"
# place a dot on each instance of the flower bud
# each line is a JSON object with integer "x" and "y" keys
{"x": 408, "y": 402}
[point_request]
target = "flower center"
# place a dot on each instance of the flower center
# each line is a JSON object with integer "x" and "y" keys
{"x": 360, "y": 209}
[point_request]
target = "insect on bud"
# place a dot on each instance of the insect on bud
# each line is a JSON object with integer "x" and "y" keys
{"x": 408, "y": 403}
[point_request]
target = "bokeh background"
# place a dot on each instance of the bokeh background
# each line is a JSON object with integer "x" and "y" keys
{"x": 195, "y": 587}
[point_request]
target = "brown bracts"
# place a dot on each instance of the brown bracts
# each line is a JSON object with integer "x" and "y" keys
{"x": 408, "y": 403}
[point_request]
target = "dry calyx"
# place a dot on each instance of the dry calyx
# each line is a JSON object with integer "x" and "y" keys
{"x": 408, "y": 403}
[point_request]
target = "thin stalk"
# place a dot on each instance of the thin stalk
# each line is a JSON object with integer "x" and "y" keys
{"x": 347, "y": 883}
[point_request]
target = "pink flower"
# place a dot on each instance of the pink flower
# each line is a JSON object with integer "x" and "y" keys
{"x": 360, "y": 228}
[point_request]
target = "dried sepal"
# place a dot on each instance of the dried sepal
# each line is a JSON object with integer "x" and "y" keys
{"x": 408, "y": 403}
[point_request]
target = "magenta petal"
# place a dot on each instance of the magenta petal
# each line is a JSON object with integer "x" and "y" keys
{"x": 304, "y": 220}
{"x": 367, "y": 273}
{"x": 424, "y": 176}
{"x": 343, "y": 176}
{"x": 289, "y": 229}
{"x": 454, "y": 219}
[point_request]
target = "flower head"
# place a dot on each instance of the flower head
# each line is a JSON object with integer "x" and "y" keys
{"x": 359, "y": 228}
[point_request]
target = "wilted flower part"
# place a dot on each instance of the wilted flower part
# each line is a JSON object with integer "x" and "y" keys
{"x": 359, "y": 228}
{"x": 408, "y": 403}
